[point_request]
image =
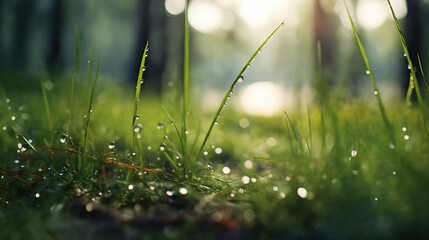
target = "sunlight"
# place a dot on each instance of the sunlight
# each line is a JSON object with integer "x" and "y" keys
{"x": 262, "y": 98}
{"x": 205, "y": 16}
{"x": 258, "y": 13}
{"x": 371, "y": 14}
{"x": 175, "y": 7}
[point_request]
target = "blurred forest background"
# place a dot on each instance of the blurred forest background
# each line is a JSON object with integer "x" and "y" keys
{"x": 39, "y": 36}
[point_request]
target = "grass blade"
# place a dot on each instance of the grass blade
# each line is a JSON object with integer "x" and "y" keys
{"x": 239, "y": 78}
{"x": 371, "y": 76}
{"x": 139, "y": 83}
{"x": 90, "y": 108}
{"x": 186, "y": 81}
{"x": 413, "y": 76}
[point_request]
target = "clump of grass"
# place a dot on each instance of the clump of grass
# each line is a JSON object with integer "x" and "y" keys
{"x": 339, "y": 177}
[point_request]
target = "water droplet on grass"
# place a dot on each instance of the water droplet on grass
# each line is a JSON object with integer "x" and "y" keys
{"x": 138, "y": 128}
{"x": 205, "y": 153}
{"x": 130, "y": 187}
{"x": 240, "y": 79}
{"x": 226, "y": 170}
{"x": 162, "y": 147}
{"x": 275, "y": 188}
{"x": 375, "y": 92}
{"x": 64, "y": 138}
{"x": 183, "y": 191}
{"x": 13, "y": 118}
{"x": 245, "y": 179}
{"x": 169, "y": 193}
{"x": 112, "y": 145}
{"x": 406, "y": 137}
{"x": 218, "y": 150}
{"x": 367, "y": 72}
{"x": 404, "y": 129}
{"x": 37, "y": 195}
{"x": 160, "y": 125}
{"x": 354, "y": 153}
{"x": 302, "y": 192}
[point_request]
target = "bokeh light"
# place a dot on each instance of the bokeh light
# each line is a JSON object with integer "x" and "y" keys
{"x": 205, "y": 16}
{"x": 262, "y": 98}
{"x": 175, "y": 7}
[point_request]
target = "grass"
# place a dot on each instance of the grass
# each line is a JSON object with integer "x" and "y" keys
{"x": 354, "y": 169}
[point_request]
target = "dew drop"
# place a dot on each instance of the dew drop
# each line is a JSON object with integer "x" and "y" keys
{"x": 138, "y": 128}
{"x": 183, "y": 191}
{"x": 406, "y": 137}
{"x": 112, "y": 145}
{"x": 218, "y": 150}
{"x": 63, "y": 138}
{"x": 205, "y": 153}
{"x": 404, "y": 129}
{"x": 302, "y": 192}
{"x": 226, "y": 170}
{"x": 162, "y": 147}
{"x": 136, "y": 117}
{"x": 130, "y": 187}
{"x": 354, "y": 153}
{"x": 275, "y": 188}
{"x": 367, "y": 72}
{"x": 240, "y": 79}
{"x": 216, "y": 122}
{"x": 160, "y": 125}
{"x": 245, "y": 179}
{"x": 375, "y": 92}
{"x": 37, "y": 195}
{"x": 169, "y": 193}
{"x": 13, "y": 118}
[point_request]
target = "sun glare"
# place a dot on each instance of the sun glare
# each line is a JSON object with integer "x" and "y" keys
{"x": 262, "y": 98}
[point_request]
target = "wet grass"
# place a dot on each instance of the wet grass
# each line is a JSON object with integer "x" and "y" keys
{"x": 69, "y": 170}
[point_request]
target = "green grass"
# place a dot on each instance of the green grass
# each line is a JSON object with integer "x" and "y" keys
{"x": 353, "y": 169}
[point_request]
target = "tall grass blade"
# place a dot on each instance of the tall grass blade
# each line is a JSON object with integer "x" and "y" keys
{"x": 371, "y": 76}
{"x": 413, "y": 76}
{"x": 139, "y": 83}
{"x": 90, "y": 107}
{"x": 239, "y": 78}
{"x": 186, "y": 71}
